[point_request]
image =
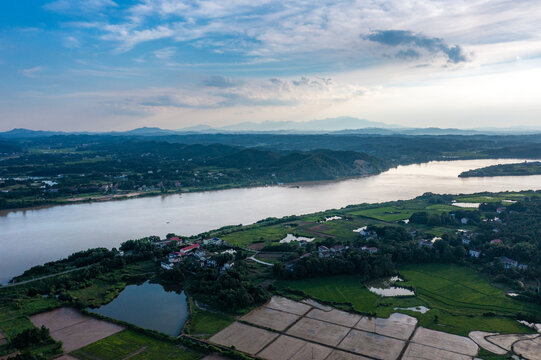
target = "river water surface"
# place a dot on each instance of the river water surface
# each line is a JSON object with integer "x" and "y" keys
{"x": 32, "y": 237}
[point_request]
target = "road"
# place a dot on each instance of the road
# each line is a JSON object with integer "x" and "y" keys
{"x": 43, "y": 277}
{"x": 259, "y": 261}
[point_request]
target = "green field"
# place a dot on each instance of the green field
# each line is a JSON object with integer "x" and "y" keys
{"x": 205, "y": 323}
{"x": 135, "y": 346}
{"x": 496, "y": 197}
{"x": 460, "y": 299}
{"x": 14, "y": 316}
{"x": 246, "y": 237}
{"x": 461, "y": 290}
{"x": 386, "y": 213}
{"x": 348, "y": 293}
{"x": 402, "y": 212}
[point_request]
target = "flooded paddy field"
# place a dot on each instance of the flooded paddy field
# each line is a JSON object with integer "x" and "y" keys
{"x": 310, "y": 330}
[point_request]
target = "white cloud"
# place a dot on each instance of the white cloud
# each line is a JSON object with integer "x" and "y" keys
{"x": 32, "y": 72}
{"x": 79, "y": 6}
{"x": 165, "y": 53}
{"x": 273, "y": 92}
{"x": 331, "y": 29}
{"x": 71, "y": 42}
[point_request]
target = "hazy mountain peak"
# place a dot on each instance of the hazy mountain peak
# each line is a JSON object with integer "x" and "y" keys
{"x": 328, "y": 124}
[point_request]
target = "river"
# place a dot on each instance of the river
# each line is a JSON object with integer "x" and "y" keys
{"x": 35, "y": 236}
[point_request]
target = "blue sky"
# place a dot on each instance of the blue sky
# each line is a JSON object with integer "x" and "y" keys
{"x": 113, "y": 64}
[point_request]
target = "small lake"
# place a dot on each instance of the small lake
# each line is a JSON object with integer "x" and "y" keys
{"x": 391, "y": 291}
{"x": 35, "y": 236}
{"x": 148, "y": 306}
{"x": 386, "y": 287}
{"x": 290, "y": 237}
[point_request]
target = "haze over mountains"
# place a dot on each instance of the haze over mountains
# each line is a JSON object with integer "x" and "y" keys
{"x": 339, "y": 125}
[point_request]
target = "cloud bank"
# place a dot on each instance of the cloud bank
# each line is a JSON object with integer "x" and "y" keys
{"x": 414, "y": 42}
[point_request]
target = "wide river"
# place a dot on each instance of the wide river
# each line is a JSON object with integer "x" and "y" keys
{"x": 31, "y": 237}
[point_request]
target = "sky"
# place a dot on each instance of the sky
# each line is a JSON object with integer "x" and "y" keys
{"x": 98, "y": 65}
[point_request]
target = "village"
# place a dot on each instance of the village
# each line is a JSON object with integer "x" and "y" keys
{"x": 199, "y": 252}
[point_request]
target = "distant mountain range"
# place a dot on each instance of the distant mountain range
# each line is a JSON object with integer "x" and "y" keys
{"x": 339, "y": 125}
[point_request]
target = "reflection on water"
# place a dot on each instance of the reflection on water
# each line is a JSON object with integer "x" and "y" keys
{"x": 148, "y": 306}
{"x": 466, "y": 205}
{"x": 33, "y": 237}
{"x": 290, "y": 237}
{"x": 420, "y": 309}
{"x": 391, "y": 291}
{"x": 385, "y": 287}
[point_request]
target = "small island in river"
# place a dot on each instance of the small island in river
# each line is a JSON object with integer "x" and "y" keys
{"x": 518, "y": 169}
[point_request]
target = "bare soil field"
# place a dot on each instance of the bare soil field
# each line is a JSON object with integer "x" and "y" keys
{"x": 308, "y": 330}
{"x": 342, "y": 355}
{"x": 270, "y": 318}
{"x": 373, "y": 345}
{"x": 73, "y": 328}
{"x": 335, "y": 316}
{"x": 287, "y": 305}
{"x": 319, "y": 331}
{"x": 506, "y": 341}
{"x": 444, "y": 341}
{"x": 312, "y": 351}
{"x": 530, "y": 349}
{"x": 423, "y": 352}
{"x": 283, "y": 348}
{"x": 479, "y": 338}
{"x": 66, "y": 357}
{"x": 399, "y": 326}
{"x": 317, "y": 305}
{"x": 245, "y": 338}
{"x": 213, "y": 357}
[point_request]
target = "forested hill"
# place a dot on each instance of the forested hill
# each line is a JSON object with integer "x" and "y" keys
{"x": 520, "y": 169}
{"x": 76, "y": 168}
{"x": 9, "y": 147}
{"x": 56, "y": 168}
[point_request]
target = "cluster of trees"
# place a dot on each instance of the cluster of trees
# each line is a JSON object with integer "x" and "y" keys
{"x": 448, "y": 218}
{"x": 353, "y": 262}
{"x": 110, "y": 164}
{"x": 102, "y": 256}
{"x": 519, "y": 169}
{"x": 32, "y": 337}
{"x": 232, "y": 290}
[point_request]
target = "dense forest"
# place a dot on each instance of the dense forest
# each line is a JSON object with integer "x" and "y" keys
{"x": 37, "y": 169}
{"x": 521, "y": 169}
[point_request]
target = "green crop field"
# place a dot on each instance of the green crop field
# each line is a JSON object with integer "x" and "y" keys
{"x": 461, "y": 290}
{"x": 402, "y": 212}
{"x": 385, "y": 213}
{"x": 335, "y": 289}
{"x": 495, "y": 197}
{"x": 459, "y": 299}
{"x": 14, "y": 317}
{"x": 205, "y": 323}
{"x": 135, "y": 346}
{"x": 272, "y": 233}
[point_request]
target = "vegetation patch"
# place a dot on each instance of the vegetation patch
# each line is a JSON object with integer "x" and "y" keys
{"x": 205, "y": 323}
{"x": 136, "y": 346}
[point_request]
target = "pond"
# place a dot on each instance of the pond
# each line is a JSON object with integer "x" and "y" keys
{"x": 385, "y": 287}
{"x": 290, "y": 237}
{"x": 420, "y": 309}
{"x": 148, "y": 306}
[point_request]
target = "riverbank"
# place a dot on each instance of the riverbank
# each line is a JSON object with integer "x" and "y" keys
{"x": 202, "y": 189}
{"x": 35, "y": 236}
{"x": 518, "y": 169}
{"x": 450, "y": 310}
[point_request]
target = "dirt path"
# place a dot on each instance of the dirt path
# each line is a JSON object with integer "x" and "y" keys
{"x": 44, "y": 277}
{"x": 136, "y": 352}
